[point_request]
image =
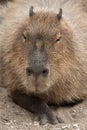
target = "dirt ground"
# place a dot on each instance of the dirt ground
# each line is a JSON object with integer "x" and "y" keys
{"x": 13, "y": 117}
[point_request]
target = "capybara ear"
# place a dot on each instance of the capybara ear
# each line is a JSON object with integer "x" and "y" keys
{"x": 31, "y": 12}
{"x": 59, "y": 15}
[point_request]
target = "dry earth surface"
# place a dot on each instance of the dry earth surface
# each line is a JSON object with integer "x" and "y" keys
{"x": 13, "y": 117}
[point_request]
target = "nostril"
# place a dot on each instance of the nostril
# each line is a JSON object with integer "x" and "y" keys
{"x": 36, "y": 71}
{"x": 45, "y": 72}
{"x": 29, "y": 71}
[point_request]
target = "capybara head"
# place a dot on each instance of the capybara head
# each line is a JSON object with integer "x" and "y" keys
{"x": 44, "y": 51}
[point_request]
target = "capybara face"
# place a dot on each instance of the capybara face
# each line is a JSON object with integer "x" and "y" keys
{"x": 43, "y": 52}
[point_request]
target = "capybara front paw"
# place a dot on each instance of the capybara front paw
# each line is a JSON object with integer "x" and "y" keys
{"x": 47, "y": 118}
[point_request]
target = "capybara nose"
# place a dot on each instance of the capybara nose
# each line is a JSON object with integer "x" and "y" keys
{"x": 37, "y": 71}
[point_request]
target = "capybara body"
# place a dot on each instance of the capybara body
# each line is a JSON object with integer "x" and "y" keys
{"x": 44, "y": 52}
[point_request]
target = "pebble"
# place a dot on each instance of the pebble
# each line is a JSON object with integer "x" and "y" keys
{"x": 8, "y": 124}
{"x": 76, "y": 127}
{"x": 74, "y": 113}
{"x": 64, "y": 127}
{"x": 36, "y": 123}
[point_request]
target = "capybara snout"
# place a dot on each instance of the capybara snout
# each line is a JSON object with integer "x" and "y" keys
{"x": 37, "y": 64}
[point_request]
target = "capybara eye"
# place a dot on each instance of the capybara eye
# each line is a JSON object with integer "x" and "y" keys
{"x": 24, "y": 35}
{"x": 58, "y": 39}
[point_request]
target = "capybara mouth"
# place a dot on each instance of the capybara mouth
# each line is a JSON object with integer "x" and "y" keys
{"x": 38, "y": 85}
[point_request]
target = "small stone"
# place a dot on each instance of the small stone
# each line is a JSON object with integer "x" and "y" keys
{"x": 8, "y": 124}
{"x": 74, "y": 113}
{"x": 36, "y": 123}
{"x": 64, "y": 127}
{"x": 76, "y": 127}
{"x": 12, "y": 127}
{"x": 30, "y": 124}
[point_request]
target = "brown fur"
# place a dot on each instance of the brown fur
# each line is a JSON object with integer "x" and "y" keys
{"x": 67, "y": 60}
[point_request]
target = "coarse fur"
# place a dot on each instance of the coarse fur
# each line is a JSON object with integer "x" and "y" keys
{"x": 67, "y": 58}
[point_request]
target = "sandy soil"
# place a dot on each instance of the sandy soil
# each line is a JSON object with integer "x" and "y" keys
{"x": 13, "y": 117}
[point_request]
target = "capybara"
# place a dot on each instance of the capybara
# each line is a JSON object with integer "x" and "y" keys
{"x": 44, "y": 55}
